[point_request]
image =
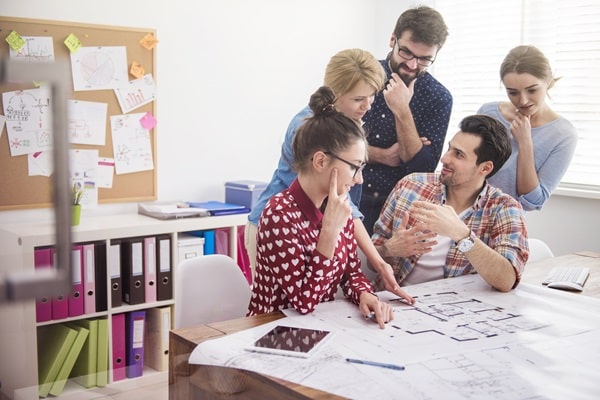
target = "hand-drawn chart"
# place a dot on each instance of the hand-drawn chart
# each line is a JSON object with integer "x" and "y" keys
{"x": 36, "y": 49}
{"x": 131, "y": 144}
{"x": 99, "y": 68}
{"x": 137, "y": 93}
{"x": 28, "y": 121}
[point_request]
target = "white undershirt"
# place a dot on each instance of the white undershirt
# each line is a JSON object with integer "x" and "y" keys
{"x": 430, "y": 265}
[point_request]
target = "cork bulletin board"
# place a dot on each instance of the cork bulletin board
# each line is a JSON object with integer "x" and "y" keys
{"x": 19, "y": 190}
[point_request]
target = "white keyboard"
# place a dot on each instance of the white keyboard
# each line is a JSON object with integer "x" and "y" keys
{"x": 567, "y": 278}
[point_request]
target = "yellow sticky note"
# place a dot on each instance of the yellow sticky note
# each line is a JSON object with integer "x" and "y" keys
{"x": 149, "y": 41}
{"x": 137, "y": 70}
{"x": 15, "y": 41}
{"x": 72, "y": 43}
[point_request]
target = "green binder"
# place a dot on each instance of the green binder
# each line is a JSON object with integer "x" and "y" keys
{"x": 54, "y": 343}
{"x": 102, "y": 366}
{"x": 84, "y": 370}
{"x": 67, "y": 367}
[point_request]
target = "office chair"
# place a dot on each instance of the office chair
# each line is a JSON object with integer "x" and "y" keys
{"x": 539, "y": 250}
{"x": 208, "y": 289}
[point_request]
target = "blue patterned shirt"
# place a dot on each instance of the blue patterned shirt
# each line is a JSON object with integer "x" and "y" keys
{"x": 430, "y": 106}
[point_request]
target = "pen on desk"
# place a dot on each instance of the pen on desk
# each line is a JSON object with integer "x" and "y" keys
{"x": 376, "y": 364}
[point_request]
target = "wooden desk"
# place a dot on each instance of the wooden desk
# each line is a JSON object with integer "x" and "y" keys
{"x": 198, "y": 382}
{"x": 536, "y": 272}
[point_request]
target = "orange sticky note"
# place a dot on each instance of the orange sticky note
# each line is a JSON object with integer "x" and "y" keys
{"x": 72, "y": 43}
{"x": 137, "y": 70}
{"x": 149, "y": 41}
{"x": 15, "y": 41}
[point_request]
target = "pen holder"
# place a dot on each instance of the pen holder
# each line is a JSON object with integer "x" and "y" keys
{"x": 75, "y": 214}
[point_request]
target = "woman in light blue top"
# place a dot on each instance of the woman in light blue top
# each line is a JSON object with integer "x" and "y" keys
{"x": 543, "y": 142}
{"x": 355, "y": 77}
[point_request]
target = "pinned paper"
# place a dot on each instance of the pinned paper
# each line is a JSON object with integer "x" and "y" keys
{"x": 136, "y": 93}
{"x": 106, "y": 170}
{"x": 15, "y": 41}
{"x": 72, "y": 43}
{"x": 40, "y": 163}
{"x": 149, "y": 41}
{"x": 148, "y": 121}
{"x": 137, "y": 70}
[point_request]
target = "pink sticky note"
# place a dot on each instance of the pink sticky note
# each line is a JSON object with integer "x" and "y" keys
{"x": 148, "y": 121}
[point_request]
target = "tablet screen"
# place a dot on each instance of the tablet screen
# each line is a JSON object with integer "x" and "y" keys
{"x": 291, "y": 341}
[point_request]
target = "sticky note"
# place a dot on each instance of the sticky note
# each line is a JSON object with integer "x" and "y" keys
{"x": 148, "y": 121}
{"x": 15, "y": 41}
{"x": 149, "y": 41}
{"x": 72, "y": 43}
{"x": 137, "y": 70}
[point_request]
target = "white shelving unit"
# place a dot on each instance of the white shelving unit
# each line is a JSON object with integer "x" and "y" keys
{"x": 18, "y": 326}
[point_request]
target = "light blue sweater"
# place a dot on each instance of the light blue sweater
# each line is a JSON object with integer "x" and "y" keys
{"x": 553, "y": 148}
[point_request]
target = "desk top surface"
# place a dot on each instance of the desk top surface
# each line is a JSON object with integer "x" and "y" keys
{"x": 533, "y": 276}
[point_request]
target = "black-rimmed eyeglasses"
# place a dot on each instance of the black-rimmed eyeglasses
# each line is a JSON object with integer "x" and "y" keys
{"x": 357, "y": 168}
{"x": 408, "y": 55}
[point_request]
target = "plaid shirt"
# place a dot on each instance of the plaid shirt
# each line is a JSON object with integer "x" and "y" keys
{"x": 495, "y": 218}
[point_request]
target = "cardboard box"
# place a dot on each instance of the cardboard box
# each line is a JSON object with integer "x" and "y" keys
{"x": 189, "y": 246}
{"x": 244, "y": 193}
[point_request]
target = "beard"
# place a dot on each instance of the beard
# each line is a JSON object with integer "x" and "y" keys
{"x": 406, "y": 78}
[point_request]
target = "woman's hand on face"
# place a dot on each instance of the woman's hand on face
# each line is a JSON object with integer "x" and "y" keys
{"x": 520, "y": 128}
{"x": 338, "y": 209}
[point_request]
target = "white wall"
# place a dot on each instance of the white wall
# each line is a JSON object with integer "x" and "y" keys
{"x": 232, "y": 73}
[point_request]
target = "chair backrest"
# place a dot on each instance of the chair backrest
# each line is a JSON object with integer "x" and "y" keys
{"x": 208, "y": 289}
{"x": 538, "y": 250}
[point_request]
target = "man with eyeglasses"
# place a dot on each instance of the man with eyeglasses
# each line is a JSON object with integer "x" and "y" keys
{"x": 408, "y": 120}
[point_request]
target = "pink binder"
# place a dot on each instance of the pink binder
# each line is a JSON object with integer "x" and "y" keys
{"x": 89, "y": 279}
{"x": 76, "y": 296}
{"x": 60, "y": 303}
{"x": 118, "y": 347}
{"x": 150, "y": 268}
{"x": 43, "y": 259}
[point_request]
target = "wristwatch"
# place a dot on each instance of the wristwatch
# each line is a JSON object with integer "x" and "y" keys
{"x": 466, "y": 244}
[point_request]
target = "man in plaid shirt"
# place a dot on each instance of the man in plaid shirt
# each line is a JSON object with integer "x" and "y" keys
{"x": 452, "y": 222}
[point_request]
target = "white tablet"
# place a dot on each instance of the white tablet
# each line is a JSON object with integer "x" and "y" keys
{"x": 290, "y": 341}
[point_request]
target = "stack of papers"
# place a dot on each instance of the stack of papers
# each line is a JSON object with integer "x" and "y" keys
{"x": 171, "y": 210}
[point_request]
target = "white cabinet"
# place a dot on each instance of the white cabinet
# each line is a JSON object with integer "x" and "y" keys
{"x": 18, "y": 326}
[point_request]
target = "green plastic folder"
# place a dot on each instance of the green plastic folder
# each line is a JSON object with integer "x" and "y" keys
{"x": 53, "y": 347}
{"x": 67, "y": 367}
{"x": 84, "y": 370}
{"x": 102, "y": 366}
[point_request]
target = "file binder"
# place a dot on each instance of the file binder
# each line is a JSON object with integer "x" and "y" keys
{"x": 118, "y": 347}
{"x": 102, "y": 364}
{"x": 65, "y": 370}
{"x": 164, "y": 285}
{"x": 134, "y": 336}
{"x": 156, "y": 342}
{"x": 132, "y": 268}
{"x": 76, "y": 296}
{"x": 53, "y": 346}
{"x": 219, "y": 207}
{"x": 43, "y": 259}
{"x": 114, "y": 267}
{"x": 100, "y": 264}
{"x": 89, "y": 279}
{"x": 84, "y": 370}
{"x": 150, "y": 268}
{"x": 60, "y": 302}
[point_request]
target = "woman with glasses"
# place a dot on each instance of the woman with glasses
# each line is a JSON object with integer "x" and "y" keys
{"x": 543, "y": 142}
{"x": 305, "y": 243}
{"x": 355, "y": 76}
